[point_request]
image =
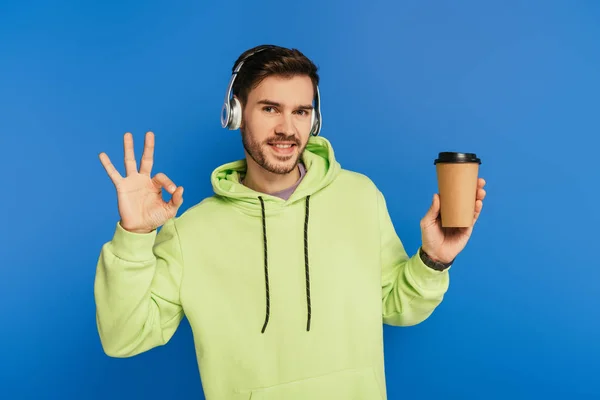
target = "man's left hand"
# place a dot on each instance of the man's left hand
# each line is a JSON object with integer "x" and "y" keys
{"x": 444, "y": 244}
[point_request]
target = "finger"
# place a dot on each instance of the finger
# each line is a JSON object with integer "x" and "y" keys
{"x": 433, "y": 212}
{"x": 177, "y": 199}
{"x": 481, "y": 194}
{"x": 148, "y": 156}
{"x": 162, "y": 180}
{"x": 130, "y": 164}
{"x": 435, "y": 209}
{"x": 481, "y": 182}
{"x": 110, "y": 169}
{"x": 478, "y": 208}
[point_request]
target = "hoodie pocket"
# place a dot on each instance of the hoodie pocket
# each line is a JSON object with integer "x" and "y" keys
{"x": 351, "y": 384}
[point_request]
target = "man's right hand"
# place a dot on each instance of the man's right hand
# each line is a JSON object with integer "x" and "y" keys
{"x": 139, "y": 196}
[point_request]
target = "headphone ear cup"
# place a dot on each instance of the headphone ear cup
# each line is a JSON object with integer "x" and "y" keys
{"x": 225, "y": 114}
{"x": 315, "y": 123}
{"x": 235, "y": 110}
{"x": 316, "y": 120}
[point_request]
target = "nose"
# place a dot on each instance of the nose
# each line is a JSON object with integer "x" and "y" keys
{"x": 286, "y": 125}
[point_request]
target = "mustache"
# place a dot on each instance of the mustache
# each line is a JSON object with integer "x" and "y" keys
{"x": 283, "y": 139}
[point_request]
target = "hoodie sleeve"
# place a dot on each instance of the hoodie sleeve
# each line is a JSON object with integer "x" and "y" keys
{"x": 410, "y": 289}
{"x": 136, "y": 289}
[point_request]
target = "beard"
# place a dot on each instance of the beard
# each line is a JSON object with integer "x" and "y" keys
{"x": 279, "y": 164}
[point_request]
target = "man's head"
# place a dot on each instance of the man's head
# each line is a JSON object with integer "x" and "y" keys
{"x": 276, "y": 88}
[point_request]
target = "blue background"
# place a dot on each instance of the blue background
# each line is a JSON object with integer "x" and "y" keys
{"x": 516, "y": 82}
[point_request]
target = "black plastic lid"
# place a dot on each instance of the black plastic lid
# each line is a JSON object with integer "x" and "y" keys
{"x": 452, "y": 157}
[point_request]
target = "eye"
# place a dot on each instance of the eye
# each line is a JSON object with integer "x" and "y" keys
{"x": 302, "y": 112}
{"x": 268, "y": 109}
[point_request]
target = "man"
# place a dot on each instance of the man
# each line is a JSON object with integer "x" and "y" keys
{"x": 287, "y": 273}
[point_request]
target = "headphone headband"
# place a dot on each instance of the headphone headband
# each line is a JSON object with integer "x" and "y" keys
{"x": 231, "y": 112}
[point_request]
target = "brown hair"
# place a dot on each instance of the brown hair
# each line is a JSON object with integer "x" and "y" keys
{"x": 274, "y": 60}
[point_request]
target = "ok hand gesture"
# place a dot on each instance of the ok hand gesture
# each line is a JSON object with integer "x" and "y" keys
{"x": 139, "y": 196}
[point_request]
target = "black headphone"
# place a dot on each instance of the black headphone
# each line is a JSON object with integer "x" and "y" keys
{"x": 231, "y": 113}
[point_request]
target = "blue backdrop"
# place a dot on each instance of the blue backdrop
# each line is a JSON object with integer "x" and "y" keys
{"x": 516, "y": 82}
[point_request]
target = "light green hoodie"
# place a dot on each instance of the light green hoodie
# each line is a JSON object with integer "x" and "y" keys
{"x": 283, "y": 305}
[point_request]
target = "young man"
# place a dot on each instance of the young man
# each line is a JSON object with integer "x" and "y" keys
{"x": 288, "y": 272}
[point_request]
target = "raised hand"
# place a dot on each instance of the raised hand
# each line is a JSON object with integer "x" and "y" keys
{"x": 444, "y": 244}
{"x": 141, "y": 206}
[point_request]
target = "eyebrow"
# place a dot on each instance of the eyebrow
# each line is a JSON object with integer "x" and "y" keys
{"x": 276, "y": 104}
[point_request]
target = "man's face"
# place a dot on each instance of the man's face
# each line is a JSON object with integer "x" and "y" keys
{"x": 276, "y": 122}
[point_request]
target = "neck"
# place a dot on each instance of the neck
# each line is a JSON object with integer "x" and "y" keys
{"x": 260, "y": 180}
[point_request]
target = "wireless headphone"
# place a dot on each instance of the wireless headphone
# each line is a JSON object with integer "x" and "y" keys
{"x": 231, "y": 113}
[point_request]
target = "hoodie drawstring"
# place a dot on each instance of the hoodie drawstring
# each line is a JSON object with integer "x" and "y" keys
{"x": 264, "y": 225}
{"x": 266, "y": 263}
{"x": 306, "y": 263}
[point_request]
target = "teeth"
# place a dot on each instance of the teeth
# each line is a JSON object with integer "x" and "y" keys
{"x": 283, "y": 146}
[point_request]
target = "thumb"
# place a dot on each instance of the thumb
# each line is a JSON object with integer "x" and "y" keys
{"x": 434, "y": 209}
{"x": 176, "y": 198}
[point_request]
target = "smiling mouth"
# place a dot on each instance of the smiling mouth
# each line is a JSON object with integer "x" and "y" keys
{"x": 283, "y": 148}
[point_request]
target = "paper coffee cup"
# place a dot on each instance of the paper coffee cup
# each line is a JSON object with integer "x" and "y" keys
{"x": 457, "y": 175}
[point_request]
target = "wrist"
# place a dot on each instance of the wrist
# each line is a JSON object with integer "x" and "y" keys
{"x": 432, "y": 261}
{"x": 135, "y": 230}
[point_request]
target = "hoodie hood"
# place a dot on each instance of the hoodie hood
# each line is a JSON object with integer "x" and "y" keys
{"x": 321, "y": 169}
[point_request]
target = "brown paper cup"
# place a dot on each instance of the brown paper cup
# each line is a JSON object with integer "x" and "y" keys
{"x": 457, "y": 175}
